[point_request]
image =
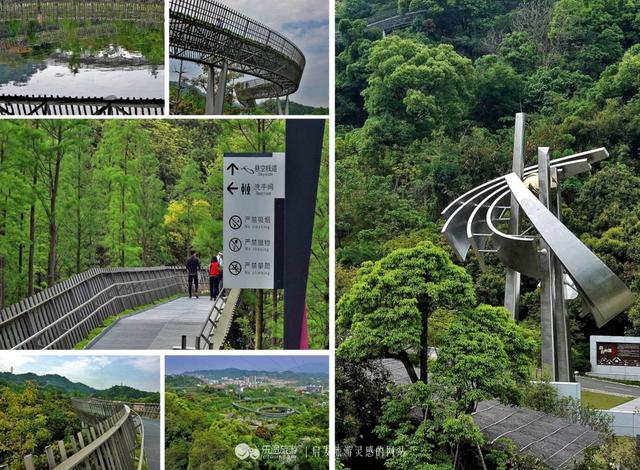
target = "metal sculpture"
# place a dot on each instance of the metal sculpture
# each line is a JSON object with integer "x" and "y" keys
{"x": 209, "y": 33}
{"x": 546, "y": 250}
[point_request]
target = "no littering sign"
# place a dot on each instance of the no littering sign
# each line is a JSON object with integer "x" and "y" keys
{"x": 252, "y": 183}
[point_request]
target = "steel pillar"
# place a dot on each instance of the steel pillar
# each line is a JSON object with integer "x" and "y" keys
{"x": 279, "y": 106}
{"x": 512, "y": 284}
{"x": 286, "y": 106}
{"x": 208, "y": 105}
{"x": 547, "y": 284}
{"x": 560, "y": 317}
{"x": 221, "y": 90}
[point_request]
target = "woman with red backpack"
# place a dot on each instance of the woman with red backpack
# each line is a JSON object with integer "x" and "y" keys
{"x": 214, "y": 278}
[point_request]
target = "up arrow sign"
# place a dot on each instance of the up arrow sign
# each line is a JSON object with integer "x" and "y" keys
{"x": 233, "y": 168}
{"x": 231, "y": 188}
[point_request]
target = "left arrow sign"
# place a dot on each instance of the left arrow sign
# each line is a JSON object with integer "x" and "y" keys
{"x": 231, "y": 188}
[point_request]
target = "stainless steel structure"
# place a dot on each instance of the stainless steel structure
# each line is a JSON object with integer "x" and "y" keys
{"x": 546, "y": 251}
{"x": 214, "y": 35}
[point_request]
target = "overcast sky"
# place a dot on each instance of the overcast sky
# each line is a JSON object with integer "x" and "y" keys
{"x": 306, "y": 23}
{"x": 271, "y": 363}
{"x": 100, "y": 372}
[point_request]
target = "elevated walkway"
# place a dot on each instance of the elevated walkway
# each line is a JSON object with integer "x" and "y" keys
{"x": 159, "y": 327}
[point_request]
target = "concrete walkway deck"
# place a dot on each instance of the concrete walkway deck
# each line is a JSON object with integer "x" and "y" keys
{"x": 159, "y": 327}
{"x": 152, "y": 442}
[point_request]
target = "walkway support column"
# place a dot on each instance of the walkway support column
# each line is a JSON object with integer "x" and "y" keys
{"x": 221, "y": 90}
{"x": 208, "y": 106}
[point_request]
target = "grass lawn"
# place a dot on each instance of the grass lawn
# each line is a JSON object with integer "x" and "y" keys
{"x": 602, "y": 401}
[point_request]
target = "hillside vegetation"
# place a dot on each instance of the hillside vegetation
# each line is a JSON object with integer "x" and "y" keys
{"x": 424, "y": 115}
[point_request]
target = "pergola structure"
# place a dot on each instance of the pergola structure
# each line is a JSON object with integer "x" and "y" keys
{"x": 518, "y": 218}
{"x": 211, "y": 34}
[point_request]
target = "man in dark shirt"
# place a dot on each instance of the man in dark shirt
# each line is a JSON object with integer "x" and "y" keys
{"x": 193, "y": 268}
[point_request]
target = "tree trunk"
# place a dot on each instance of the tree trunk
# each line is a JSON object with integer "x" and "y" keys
{"x": 484, "y": 465}
{"x": 32, "y": 235}
{"x": 259, "y": 318}
{"x": 21, "y": 247}
{"x": 404, "y": 358}
{"x": 274, "y": 317}
{"x": 78, "y": 214}
{"x": 53, "y": 226}
{"x": 424, "y": 349}
{"x": 123, "y": 208}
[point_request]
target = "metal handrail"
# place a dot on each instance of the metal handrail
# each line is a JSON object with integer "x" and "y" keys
{"x": 207, "y": 32}
{"x": 206, "y": 339}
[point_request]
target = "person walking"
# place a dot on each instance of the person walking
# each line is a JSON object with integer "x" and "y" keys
{"x": 193, "y": 268}
{"x": 219, "y": 258}
{"x": 214, "y": 278}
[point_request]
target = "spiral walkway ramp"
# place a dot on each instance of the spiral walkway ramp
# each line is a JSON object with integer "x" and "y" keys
{"x": 209, "y": 33}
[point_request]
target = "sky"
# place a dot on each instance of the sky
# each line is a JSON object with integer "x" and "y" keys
{"x": 274, "y": 363}
{"x": 99, "y": 372}
{"x": 306, "y": 23}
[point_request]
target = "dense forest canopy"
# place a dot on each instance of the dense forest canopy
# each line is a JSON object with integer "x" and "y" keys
{"x": 424, "y": 114}
{"x": 203, "y": 426}
{"x": 37, "y": 410}
{"x": 78, "y": 194}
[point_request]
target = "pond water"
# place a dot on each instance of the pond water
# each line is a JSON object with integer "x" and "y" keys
{"x": 73, "y": 58}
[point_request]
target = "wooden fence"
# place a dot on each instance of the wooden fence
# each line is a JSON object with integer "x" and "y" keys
{"x": 115, "y": 443}
{"x": 65, "y": 314}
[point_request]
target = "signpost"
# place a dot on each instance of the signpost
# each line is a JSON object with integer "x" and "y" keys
{"x": 267, "y": 237}
{"x": 252, "y": 184}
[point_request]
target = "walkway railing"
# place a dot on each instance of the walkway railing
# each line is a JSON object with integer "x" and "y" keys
{"x": 47, "y": 11}
{"x": 88, "y": 408}
{"x": 19, "y": 105}
{"x": 115, "y": 443}
{"x": 216, "y": 326}
{"x": 209, "y": 33}
{"x": 63, "y": 315}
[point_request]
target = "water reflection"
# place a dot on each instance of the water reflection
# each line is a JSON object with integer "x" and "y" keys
{"x": 82, "y": 58}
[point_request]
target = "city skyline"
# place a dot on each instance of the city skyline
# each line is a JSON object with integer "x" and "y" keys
{"x": 276, "y": 363}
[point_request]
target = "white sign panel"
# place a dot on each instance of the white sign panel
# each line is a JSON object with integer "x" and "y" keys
{"x": 251, "y": 185}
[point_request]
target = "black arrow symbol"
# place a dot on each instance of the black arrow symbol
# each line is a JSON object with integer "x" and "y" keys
{"x": 233, "y": 168}
{"x": 231, "y": 188}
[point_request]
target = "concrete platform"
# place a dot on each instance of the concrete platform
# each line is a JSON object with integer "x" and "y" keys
{"x": 160, "y": 327}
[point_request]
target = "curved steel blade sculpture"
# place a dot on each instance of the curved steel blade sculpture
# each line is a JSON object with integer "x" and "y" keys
{"x": 546, "y": 251}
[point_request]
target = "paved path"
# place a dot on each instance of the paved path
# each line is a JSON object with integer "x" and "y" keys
{"x": 152, "y": 442}
{"x": 609, "y": 387}
{"x": 160, "y": 327}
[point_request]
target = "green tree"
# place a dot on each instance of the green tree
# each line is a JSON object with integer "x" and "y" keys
{"x": 386, "y": 311}
{"x": 413, "y": 90}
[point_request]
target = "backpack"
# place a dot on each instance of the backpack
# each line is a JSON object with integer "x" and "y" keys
{"x": 214, "y": 269}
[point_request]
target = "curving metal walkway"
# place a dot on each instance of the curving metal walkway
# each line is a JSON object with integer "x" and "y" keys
{"x": 209, "y": 33}
{"x": 388, "y": 24}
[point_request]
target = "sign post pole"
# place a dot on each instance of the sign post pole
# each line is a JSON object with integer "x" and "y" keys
{"x": 304, "y": 151}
